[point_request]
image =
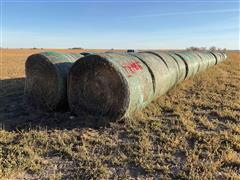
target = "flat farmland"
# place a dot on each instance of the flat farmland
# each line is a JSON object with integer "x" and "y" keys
{"x": 192, "y": 132}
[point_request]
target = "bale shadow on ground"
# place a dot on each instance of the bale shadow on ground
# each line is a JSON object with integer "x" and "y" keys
{"x": 15, "y": 114}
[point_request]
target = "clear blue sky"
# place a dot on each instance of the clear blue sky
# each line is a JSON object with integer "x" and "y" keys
{"x": 120, "y": 24}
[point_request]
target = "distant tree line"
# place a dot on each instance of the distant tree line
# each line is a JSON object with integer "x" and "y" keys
{"x": 213, "y": 48}
{"x": 76, "y": 48}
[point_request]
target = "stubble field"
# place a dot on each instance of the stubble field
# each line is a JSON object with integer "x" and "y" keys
{"x": 193, "y": 132}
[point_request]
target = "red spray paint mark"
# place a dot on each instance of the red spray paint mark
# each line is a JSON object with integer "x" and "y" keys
{"x": 132, "y": 68}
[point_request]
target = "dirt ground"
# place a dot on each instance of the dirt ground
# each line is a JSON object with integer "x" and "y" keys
{"x": 193, "y": 132}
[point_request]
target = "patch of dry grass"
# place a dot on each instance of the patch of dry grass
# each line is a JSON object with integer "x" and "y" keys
{"x": 193, "y": 132}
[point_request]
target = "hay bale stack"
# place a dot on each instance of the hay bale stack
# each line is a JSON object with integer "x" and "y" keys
{"x": 46, "y": 79}
{"x": 114, "y": 85}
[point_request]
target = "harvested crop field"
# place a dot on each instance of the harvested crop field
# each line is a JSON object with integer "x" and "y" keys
{"x": 193, "y": 132}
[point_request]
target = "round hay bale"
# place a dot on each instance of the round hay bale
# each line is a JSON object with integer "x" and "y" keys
{"x": 222, "y": 56}
{"x": 46, "y": 79}
{"x": 225, "y": 55}
{"x": 218, "y": 57}
{"x": 212, "y": 59}
{"x": 182, "y": 67}
{"x": 159, "y": 72}
{"x": 171, "y": 64}
{"x": 192, "y": 61}
{"x": 109, "y": 85}
{"x": 205, "y": 60}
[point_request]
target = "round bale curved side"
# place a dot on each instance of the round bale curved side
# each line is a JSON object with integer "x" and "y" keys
{"x": 159, "y": 71}
{"x": 223, "y": 58}
{"x": 217, "y": 56}
{"x": 225, "y": 55}
{"x": 193, "y": 63}
{"x": 182, "y": 67}
{"x": 173, "y": 68}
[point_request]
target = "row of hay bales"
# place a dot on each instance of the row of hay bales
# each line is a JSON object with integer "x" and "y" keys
{"x": 109, "y": 85}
